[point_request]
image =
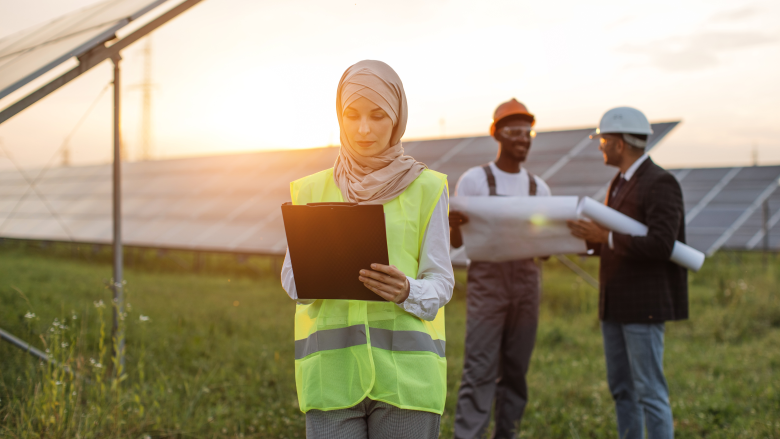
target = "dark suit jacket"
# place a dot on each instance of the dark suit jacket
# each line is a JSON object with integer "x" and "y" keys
{"x": 638, "y": 283}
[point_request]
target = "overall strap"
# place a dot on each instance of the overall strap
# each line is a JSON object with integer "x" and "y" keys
{"x": 491, "y": 179}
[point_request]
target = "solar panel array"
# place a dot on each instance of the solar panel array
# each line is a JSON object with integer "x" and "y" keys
{"x": 231, "y": 202}
{"x": 725, "y": 207}
{"x": 27, "y": 55}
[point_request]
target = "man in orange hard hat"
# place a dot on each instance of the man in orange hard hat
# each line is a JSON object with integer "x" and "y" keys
{"x": 503, "y": 297}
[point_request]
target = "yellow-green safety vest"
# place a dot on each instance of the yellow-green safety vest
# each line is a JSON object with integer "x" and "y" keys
{"x": 347, "y": 350}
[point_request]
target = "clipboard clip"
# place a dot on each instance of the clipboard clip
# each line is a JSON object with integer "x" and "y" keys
{"x": 324, "y": 204}
{"x": 332, "y": 204}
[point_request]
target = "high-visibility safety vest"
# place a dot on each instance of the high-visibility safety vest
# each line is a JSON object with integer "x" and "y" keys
{"x": 348, "y": 350}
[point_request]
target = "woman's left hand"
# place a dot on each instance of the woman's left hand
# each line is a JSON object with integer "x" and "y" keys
{"x": 386, "y": 281}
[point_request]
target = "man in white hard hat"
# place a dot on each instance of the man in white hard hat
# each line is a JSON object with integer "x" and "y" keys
{"x": 640, "y": 288}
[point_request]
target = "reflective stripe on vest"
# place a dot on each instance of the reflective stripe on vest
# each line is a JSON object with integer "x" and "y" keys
{"x": 339, "y": 338}
{"x": 328, "y": 339}
{"x": 345, "y": 350}
{"x": 405, "y": 341}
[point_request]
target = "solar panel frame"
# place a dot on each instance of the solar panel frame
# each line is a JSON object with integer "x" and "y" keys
{"x": 26, "y": 55}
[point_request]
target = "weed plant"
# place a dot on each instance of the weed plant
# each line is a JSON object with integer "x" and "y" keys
{"x": 210, "y": 354}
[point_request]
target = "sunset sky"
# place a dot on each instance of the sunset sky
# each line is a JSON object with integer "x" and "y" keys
{"x": 247, "y": 75}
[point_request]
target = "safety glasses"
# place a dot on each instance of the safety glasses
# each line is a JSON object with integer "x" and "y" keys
{"x": 516, "y": 133}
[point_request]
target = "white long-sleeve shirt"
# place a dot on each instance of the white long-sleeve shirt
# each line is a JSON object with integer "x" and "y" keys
{"x": 435, "y": 280}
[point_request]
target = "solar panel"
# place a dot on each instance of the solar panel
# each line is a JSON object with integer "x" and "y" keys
{"x": 27, "y": 55}
{"x": 231, "y": 202}
{"x": 724, "y": 206}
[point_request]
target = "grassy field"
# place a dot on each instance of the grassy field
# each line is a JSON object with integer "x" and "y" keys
{"x": 210, "y": 354}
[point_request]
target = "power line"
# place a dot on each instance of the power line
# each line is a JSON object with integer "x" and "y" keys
{"x": 65, "y": 148}
{"x": 32, "y": 183}
{"x": 40, "y": 195}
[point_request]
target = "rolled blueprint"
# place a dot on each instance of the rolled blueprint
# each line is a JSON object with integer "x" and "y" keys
{"x": 611, "y": 219}
{"x": 508, "y": 228}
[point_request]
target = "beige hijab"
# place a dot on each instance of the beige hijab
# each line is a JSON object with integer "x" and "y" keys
{"x": 381, "y": 178}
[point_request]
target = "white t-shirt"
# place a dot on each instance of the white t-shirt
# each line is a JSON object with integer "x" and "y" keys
{"x": 474, "y": 183}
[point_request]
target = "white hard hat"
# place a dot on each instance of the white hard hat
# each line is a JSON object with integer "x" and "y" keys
{"x": 625, "y": 120}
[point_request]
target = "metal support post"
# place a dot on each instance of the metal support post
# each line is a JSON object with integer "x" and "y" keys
{"x": 118, "y": 332}
{"x": 197, "y": 262}
{"x": 765, "y": 229}
{"x": 4, "y": 335}
{"x": 24, "y": 346}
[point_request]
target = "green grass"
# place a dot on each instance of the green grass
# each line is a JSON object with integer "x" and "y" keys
{"x": 215, "y": 357}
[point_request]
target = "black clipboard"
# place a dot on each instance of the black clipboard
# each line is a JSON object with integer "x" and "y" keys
{"x": 330, "y": 243}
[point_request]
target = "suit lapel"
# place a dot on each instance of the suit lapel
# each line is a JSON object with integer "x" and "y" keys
{"x": 628, "y": 187}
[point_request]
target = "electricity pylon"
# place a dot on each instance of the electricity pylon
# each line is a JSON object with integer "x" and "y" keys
{"x": 146, "y": 103}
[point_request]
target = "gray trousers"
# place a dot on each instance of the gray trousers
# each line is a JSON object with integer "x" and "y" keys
{"x": 374, "y": 420}
{"x": 501, "y": 319}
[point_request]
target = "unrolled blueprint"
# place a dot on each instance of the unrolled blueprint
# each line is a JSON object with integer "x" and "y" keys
{"x": 507, "y": 228}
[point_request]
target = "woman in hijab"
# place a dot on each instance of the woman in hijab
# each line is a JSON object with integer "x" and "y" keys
{"x": 366, "y": 369}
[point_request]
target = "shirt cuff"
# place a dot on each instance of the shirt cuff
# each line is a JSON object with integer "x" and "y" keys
{"x": 611, "y": 243}
{"x": 413, "y": 304}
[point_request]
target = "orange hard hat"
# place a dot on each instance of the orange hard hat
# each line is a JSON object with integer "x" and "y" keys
{"x": 510, "y": 108}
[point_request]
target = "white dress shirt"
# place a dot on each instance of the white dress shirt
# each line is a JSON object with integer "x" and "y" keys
{"x": 435, "y": 280}
{"x": 632, "y": 169}
{"x": 627, "y": 176}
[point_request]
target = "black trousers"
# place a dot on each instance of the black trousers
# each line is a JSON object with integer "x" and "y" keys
{"x": 501, "y": 321}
